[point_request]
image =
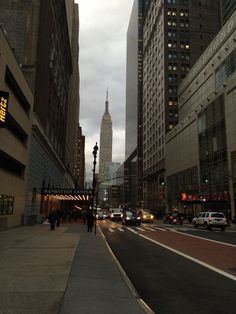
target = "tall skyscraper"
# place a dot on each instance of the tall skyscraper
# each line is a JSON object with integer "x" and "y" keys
{"x": 175, "y": 35}
{"x": 133, "y": 121}
{"x": 105, "y": 149}
{"x": 44, "y": 38}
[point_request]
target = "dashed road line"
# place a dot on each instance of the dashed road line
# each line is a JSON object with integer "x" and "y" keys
{"x": 132, "y": 230}
{"x": 121, "y": 229}
{"x": 148, "y": 228}
{"x": 111, "y": 230}
{"x": 141, "y": 229}
{"x": 161, "y": 229}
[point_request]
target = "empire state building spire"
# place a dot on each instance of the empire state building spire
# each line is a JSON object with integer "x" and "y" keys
{"x": 106, "y": 103}
{"x": 105, "y": 152}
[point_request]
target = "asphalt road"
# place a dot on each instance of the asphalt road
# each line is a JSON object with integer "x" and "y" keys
{"x": 171, "y": 283}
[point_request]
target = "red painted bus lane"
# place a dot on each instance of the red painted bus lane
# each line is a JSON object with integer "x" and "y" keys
{"x": 218, "y": 255}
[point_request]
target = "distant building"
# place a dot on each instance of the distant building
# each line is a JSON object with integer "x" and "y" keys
{"x": 105, "y": 149}
{"x": 175, "y": 35}
{"x": 16, "y": 107}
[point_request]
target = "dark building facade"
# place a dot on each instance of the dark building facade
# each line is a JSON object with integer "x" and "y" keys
{"x": 38, "y": 32}
{"x": 80, "y": 160}
{"x": 175, "y": 35}
{"x": 203, "y": 177}
{"x": 134, "y": 114}
{"x": 16, "y": 108}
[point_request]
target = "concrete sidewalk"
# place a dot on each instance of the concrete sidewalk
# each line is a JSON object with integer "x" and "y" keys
{"x": 67, "y": 270}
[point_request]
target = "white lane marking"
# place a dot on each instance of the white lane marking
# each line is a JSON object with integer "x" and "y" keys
{"x": 111, "y": 230}
{"x": 194, "y": 236}
{"x": 121, "y": 229}
{"x": 160, "y": 229}
{"x": 183, "y": 229}
{"x": 130, "y": 229}
{"x": 148, "y": 228}
{"x": 141, "y": 229}
{"x": 221, "y": 272}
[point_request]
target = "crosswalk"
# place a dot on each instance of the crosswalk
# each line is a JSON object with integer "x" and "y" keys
{"x": 136, "y": 229}
{"x": 144, "y": 228}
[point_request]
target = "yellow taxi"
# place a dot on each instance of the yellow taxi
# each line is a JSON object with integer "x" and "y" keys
{"x": 146, "y": 215}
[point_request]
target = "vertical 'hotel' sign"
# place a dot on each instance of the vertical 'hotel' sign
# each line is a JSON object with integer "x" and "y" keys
{"x": 4, "y": 96}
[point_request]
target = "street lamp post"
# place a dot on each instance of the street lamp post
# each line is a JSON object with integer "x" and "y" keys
{"x": 94, "y": 210}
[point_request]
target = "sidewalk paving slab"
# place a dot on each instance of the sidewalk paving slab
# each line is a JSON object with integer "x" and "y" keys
{"x": 64, "y": 271}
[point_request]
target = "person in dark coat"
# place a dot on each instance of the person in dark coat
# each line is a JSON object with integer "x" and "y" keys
{"x": 58, "y": 217}
{"x": 90, "y": 221}
{"x": 52, "y": 217}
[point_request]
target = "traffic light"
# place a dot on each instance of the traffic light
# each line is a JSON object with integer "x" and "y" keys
{"x": 161, "y": 181}
{"x": 205, "y": 178}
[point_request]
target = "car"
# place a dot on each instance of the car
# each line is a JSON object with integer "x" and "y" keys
{"x": 146, "y": 215}
{"x": 100, "y": 214}
{"x": 130, "y": 218}
{"x": 174, "y": 218}
{"x": 115, "y": 214}
{"x": 105, "y": 214}
{"x": 210, "y": 219}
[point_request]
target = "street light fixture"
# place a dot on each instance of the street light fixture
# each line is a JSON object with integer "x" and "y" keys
{"x": 95, "y": 150}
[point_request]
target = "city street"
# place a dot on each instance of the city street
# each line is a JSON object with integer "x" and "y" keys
{"x": 176, "y": 268}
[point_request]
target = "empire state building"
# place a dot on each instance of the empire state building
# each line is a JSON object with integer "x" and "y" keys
{"x": 105, "y": 152}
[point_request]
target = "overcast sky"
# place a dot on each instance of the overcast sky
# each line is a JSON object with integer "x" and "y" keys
{"x": 102, "y": 62}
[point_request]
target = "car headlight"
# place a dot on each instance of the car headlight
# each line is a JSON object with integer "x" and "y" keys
{"x": 144, "y": 216}
{"x": 128, "y": 218}
{"x": 112, "y": 215}
{"x": 138, "y": 217}
{"x": 121, "y": 215}
{"x": 152, "y": 216}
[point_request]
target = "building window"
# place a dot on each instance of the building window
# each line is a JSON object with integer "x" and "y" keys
{"x": 10, "y": 164}
{"x": 227, "y": 68}
{"x": 6, "y": 204}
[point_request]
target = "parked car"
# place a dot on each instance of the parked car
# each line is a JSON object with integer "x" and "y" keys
{"x": 130, "y": 218}
{"x": 210, "y": 219}
{"x": 174, "y": 218}
{"x": 115, "y": 214}
{"x": 146, "y": 215}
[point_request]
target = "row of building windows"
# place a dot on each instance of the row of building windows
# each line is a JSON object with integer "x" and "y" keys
{"x": 174, "y": 12}
{"x": 182, "y": 44}
{"x": 174, "y": 23}
{"x": 181, "y": 2}
{"x": 182, "y": 67}
{"x": 227, "y": 68}
{"x": 173, "y": 33}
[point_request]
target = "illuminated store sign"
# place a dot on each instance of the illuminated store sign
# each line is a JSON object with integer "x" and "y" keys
{"x": 4, "y": 96}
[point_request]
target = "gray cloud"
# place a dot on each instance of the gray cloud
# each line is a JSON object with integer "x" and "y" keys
{"x": 103, "y": 27}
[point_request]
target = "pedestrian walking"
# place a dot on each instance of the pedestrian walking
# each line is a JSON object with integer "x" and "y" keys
{"x": 58, "y": 217}
{"x": 84, "y": 215}
{"x": 52, "y": 217}
{"x": 90, "y": 221}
